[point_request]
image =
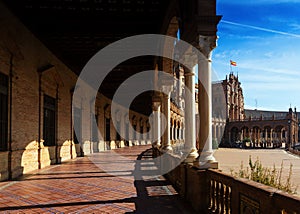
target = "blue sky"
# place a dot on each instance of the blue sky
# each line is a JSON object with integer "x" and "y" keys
{"x": 263, "y": 37}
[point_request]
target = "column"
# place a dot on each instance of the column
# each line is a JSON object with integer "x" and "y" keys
{"x": 137, "y": 132}
{"x": 266, "y": 137}
{"x": 254, "y": 136}
{"x": 122, "y": 130}
{"x": 215, "y": 131}
{"x": 206, "y": 158}
{"x": 166, "y": 105}
{"x": 271, "y": 137}
{"x": 190, "y": 117}
{"x": 242, "y": 134}
{"x": 156, "y": 125}
{"x": 280, "y": 137}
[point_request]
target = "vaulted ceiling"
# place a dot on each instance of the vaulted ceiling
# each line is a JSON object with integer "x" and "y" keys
{"x": 74, "y": 30}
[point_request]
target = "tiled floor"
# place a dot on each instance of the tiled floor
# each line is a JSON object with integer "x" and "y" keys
{"x": 110, "y": 182}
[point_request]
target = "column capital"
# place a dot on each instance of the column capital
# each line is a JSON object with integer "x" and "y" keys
{"x": 206, "y": 44}
{"x": 166, "y": 89}
{"x": 190, "y": 59}
{"x": 156, "y": 98}
{"x": 156, "y": 105}
{"x": 189, "y": 74}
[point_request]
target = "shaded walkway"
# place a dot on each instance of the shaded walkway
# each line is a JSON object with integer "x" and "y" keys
{"x": 98, "y": 184}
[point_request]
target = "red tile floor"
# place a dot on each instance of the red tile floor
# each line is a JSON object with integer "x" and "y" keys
{"x": 106, "y": 182}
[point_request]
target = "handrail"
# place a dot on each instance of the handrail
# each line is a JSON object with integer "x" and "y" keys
{"x": 229, "y": 195}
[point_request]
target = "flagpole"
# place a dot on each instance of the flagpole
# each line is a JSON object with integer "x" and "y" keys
{"x": 232, "y": 63}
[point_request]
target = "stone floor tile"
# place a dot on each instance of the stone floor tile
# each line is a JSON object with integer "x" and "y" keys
{"x": 99, "y": 183}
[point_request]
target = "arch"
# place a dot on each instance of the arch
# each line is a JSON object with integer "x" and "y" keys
{"x": 234, "y": 135}
{"x": 279, "y": 136}
{"x": 118, "y": 114}
{"x": 279, "y": 128}
{"x": 173, "y": 27}
{"x": 256, "y": 136}
{"x": 267, "y": 136}
{"x": 134, "y": 120}
{"x": 245, "y": 131}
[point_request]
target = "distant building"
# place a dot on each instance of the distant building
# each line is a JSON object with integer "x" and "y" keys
{"x": 252, "y": 128}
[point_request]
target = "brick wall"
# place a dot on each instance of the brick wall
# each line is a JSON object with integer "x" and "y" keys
{"x": 29, "y": 55}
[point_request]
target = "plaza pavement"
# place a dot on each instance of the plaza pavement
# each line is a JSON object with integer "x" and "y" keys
{"x": 230, "y": 159}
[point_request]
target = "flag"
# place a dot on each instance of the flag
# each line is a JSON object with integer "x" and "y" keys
{"x": 233, "y": 63}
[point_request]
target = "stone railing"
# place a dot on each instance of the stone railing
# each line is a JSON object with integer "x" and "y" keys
{"x": 211, "y": 191}
{"x": 233, "y": 195}
{"x": 220, "y": 193}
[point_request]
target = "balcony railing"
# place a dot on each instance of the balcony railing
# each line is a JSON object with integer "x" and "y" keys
{"x": 212, "y": 191}
{"x": 233, "y": 195}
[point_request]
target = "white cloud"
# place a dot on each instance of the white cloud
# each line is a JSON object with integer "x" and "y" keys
{"x": 295, "y": 26}
{"x": 261, "y": 28}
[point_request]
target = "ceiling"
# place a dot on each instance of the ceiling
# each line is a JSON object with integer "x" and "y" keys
{"x": 74, "y": 30}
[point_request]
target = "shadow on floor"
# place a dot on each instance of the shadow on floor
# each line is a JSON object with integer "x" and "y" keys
{"x": 154, "y": 193}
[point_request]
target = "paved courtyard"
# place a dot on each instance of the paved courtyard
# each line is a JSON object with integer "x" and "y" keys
{"x": 231, "y": 159}
{"x": 109, "y": 182}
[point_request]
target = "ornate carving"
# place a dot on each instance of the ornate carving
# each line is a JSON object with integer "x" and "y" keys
{"x": 206, "y": 44}
{"x": 248, "y": 205}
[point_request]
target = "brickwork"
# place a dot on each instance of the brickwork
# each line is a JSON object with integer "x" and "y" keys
{"x": 36, "y": 72}
{"x": 261, "y": 129}
{"x": 28, "y": 55}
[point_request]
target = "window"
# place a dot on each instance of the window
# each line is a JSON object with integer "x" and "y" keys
{"x": 77, "y": 123}
{"x": 127, "y": 134}
{"x": 148, "y": 132}
{"x": 3, "y": 111}
{"x": 118, "y": 129}
{"x": 95, "y": 129}
{"x": 141, "y": 131}
{"x": 134, "y": 132}
{"x": 49, "y": 132}
{"x": 107, "y": 129}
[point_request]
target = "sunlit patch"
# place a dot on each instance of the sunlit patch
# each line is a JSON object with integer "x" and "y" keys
{"x": 161, "y": 190}
{"x": 29, "y": 159}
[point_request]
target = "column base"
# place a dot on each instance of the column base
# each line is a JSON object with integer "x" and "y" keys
{"x": 206, "y": 165}
{"x": 206, "y": 160}
{"x": 156, "y": 145}
{"x": 166, "y": 149}
{"x": 192, "y": 156}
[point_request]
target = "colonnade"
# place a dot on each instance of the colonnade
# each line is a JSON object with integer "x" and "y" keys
{"x": 203, "y": 157}
{"x": 172, "y": 131}
{"x": 266, "y": 137}
{"x": 177, "y": 129}
{"x": 218, "y": 127}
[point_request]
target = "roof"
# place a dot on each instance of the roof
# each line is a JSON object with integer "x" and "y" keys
{"x": 266, "y": 114}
